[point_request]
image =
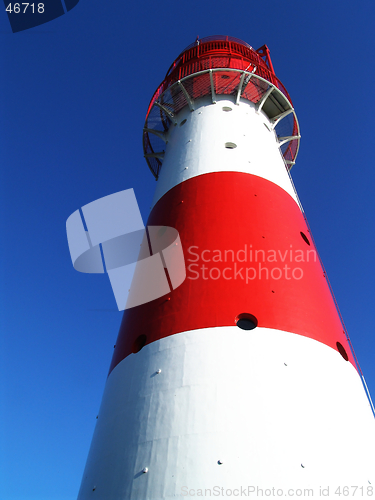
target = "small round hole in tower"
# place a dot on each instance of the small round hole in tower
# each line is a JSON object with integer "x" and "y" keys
{"x": 139, "y": 343}
{"x": 342, "y": 351}
{"x": 246, "y": 321}
{"x": 305, "y": 238}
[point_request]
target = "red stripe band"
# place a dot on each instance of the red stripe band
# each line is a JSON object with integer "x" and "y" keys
{"x": 247, "y": 250}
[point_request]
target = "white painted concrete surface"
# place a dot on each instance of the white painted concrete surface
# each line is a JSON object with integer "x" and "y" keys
{"x": 278, "y": 409}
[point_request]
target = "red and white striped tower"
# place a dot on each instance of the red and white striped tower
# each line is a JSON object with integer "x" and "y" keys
{"x": 243, "y": 376}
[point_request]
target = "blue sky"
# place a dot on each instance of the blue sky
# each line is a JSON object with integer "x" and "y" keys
{"x": 74, "y": 94}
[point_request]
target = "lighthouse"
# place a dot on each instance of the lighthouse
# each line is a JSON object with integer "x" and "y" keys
{"x": 241, "y": 381}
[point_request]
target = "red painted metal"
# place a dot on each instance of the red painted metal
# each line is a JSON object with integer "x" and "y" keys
{"x": 219, "y": 52}
{"x": 226, "y": 211}
{"x": 264, "y": 52}
{"x": 216, "y": 52}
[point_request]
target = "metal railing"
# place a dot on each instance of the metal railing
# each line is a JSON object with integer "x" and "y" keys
{"x": 239, "y": 84}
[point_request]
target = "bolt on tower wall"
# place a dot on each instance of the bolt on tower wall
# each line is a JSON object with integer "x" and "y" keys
{"x": 243, "y": 375}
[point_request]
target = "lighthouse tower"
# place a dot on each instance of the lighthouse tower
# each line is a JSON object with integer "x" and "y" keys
{"x": 241, "y": 381}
